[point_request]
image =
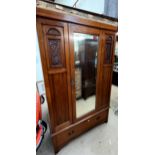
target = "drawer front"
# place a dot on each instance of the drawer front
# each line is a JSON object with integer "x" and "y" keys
{"x": 79, "y": 128}
{"x": 64, "y": 137}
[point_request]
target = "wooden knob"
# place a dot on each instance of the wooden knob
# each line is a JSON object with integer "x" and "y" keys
{"x": 69, "y": 133}
{"x": 97, "y": 117}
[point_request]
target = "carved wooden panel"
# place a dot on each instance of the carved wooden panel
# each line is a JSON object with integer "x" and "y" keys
{"x": 108, "y": 50}
{"x": 54, "y": 52}
{"x": 55, "y": 46}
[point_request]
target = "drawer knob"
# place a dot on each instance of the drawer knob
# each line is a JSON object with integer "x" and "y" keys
{"x": 88, "y": 120}
{"x": 69, "y": 133}
{"x": 97, "y": 118}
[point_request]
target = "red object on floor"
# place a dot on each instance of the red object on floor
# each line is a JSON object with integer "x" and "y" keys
{"x": 41, "y": 126}
{"x": 38, "y": 108}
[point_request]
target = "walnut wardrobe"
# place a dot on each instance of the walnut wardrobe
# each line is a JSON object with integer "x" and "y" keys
{"x": 77, "y": 60}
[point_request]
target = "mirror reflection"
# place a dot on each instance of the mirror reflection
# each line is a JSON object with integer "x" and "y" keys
{"x": 85, "y": 59}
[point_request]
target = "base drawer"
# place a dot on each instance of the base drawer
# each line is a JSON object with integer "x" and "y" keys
{"x": 78, "y": 128}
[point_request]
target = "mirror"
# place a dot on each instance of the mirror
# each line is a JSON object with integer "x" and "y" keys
{"x": 85, "y": 61}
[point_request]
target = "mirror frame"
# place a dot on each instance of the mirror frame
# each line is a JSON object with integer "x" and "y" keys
{"x": 74, "y": 28}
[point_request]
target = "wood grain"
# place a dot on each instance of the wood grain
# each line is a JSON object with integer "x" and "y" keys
{"x": 55, "y": 33}
{"x": 73, "y": 19}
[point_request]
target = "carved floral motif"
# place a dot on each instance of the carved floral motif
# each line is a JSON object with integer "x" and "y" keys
{"x": 108, "y": 49}
{"x": 54, "y": 45}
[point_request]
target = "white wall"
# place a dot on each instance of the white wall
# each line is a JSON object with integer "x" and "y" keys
{"x": 96, "y": 6}
{"x": 39, "y": 73}
{"x": 66, "y": 2}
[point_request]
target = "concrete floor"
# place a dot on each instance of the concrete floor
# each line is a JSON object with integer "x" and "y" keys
{"x": 101, "y": 140}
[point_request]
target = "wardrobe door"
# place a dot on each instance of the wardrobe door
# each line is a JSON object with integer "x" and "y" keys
{"x": 53, "y": 42}
{"x": 85, "y": 49}
{"x": 107, "y": 70}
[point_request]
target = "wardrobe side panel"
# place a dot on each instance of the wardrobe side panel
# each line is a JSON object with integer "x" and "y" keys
{"x": 107, "y": 58}
{"x": 55, "y": 54}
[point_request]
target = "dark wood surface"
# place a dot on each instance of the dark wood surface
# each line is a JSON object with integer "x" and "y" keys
{"x": 55, "y": 34}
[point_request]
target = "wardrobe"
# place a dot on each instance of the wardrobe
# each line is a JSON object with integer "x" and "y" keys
{"x": 77, "y": 57}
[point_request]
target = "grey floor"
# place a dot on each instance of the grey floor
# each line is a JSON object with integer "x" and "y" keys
{"x": 101, "y": 140}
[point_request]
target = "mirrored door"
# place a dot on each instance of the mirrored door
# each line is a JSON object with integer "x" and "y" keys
{"x": 85, "y": 52}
